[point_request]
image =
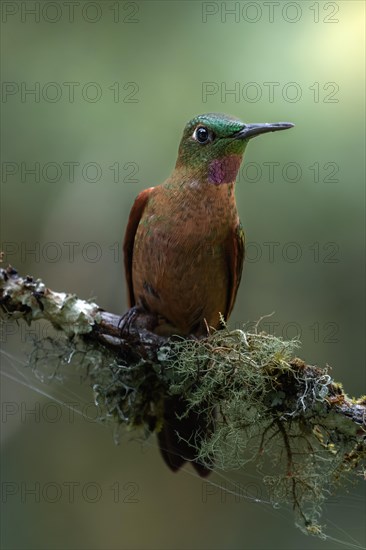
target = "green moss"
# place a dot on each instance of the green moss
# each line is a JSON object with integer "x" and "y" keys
{"x": 268, "y": 407}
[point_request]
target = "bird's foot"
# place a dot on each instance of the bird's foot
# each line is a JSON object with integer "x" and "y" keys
{"x": 127, "y": 320}
{"x": 135, "y": 319}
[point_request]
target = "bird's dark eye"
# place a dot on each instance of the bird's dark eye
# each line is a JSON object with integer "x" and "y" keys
{"x": 202, "y": 134}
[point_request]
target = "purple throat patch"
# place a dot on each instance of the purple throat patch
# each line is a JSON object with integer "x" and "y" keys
{"x": 224, "y": 170}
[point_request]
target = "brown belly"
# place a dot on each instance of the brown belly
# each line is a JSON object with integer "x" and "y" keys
{"x": 182, "y": 281}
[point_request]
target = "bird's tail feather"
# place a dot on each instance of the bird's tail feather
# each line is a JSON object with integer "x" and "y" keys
{"x": 181, "y": 436}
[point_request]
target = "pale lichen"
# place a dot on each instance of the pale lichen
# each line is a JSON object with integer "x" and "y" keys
{"x": 65, "y": 311}
{"x": 291, "y": 419}
{"x": 268, "y": 407}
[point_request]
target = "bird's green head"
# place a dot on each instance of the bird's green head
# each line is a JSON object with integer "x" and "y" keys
{"x": 213, "y": 144}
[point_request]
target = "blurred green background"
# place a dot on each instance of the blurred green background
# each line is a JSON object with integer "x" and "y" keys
{"x": 114, "y": 83}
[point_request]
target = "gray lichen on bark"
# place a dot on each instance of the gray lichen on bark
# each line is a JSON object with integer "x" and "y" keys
{"x": 291, "y": 419}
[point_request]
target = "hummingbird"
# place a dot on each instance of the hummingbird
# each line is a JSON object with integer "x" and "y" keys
{"x": 184, "y": 253}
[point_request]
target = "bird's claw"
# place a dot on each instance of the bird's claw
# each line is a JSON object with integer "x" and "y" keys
{"x": 128, "y": 319}
{"x": 137, "y": 318}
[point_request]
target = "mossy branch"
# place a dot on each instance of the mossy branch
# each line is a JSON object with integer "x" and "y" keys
{"x": 290, "y": 418}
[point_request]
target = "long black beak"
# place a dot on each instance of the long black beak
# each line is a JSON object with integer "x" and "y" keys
{"x": 252, "y": 130}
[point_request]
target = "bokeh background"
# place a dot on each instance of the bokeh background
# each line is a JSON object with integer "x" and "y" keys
{"x": 114, "y": 84}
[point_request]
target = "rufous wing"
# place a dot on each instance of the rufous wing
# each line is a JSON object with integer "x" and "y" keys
{"x": 235, "y": 257}
{"x": 136, "y": 213}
